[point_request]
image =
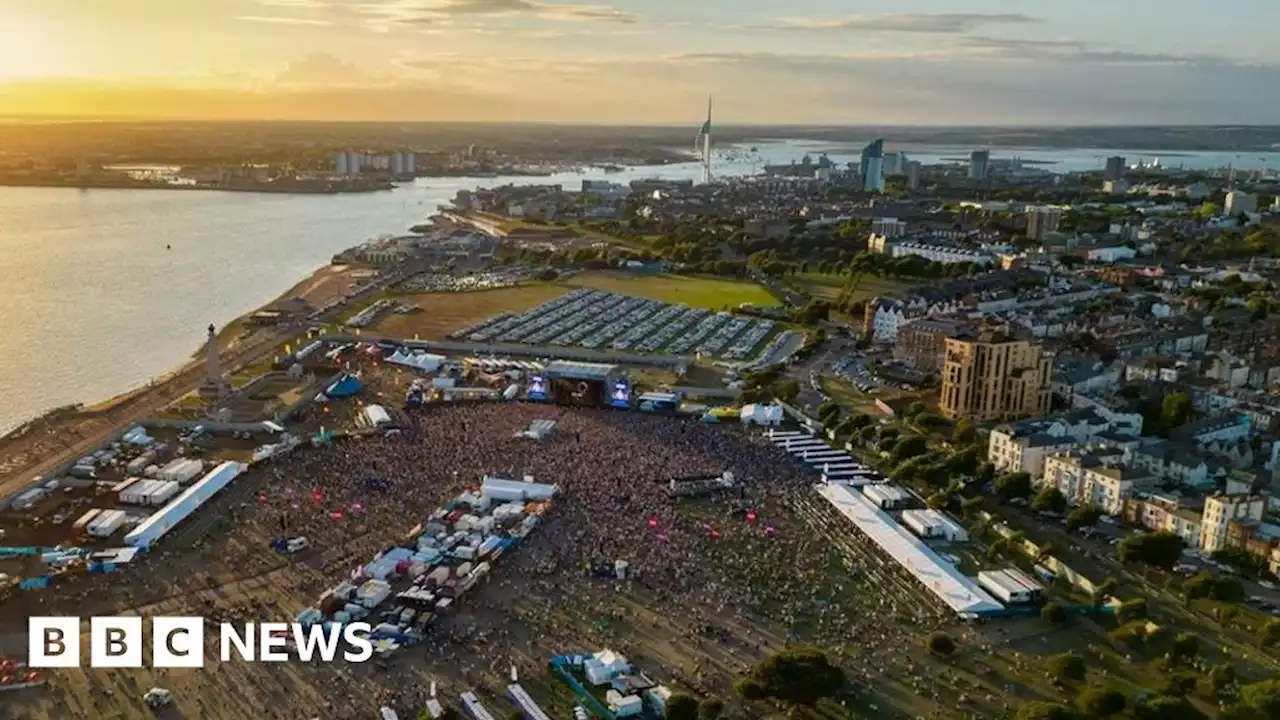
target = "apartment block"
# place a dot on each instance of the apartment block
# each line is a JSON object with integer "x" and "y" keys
{"x": 990, "y": 376}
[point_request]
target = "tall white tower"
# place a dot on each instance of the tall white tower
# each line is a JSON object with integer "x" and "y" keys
{"x": 704, "y": 135}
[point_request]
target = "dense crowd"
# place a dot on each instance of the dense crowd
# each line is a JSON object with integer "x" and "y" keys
{"x": 726, "y": 579}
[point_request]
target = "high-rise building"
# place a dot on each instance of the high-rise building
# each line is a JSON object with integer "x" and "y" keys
{"x": 895, "y": 163}
{"x": 989, "y": 376}
{"x": 1240, "y": 202}
{"x": 1042, "y": 220}
{"x": 913, "y": 175}
{"x": 978, "y": 162}
{"x": 1116, "y": 168}
{"x": 872, "y": 167}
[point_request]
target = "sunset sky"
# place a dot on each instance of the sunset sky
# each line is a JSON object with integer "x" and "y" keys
{"x": 619, "y": 61}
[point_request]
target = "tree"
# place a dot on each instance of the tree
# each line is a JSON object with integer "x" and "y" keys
{"x": 941, "y": 643}
{"x": 1103, "y": 590}
{"x": 1050, "y": 499}
{"x": 1067, "y": 666}
{"x": 1100, "y": 702}
{"x": 448, "y": 714}
{"x": 1270, "y": 633}
{"x": 1083, "y": 516}
{"x": 710, "y": 709}
{"x": 1185, "y": 647}
{"x": 1166, "y": 707}
{"x": 681, "y": 707}
{"x": 908, "y": 447}
{"x": 1130, "y": 610}
{"x": 750, "y": 689}
{"x": 515, "y": 715}
{"x": 1262, "y": 698}
{"x": 1014, "y": 485}
{"x": 1220, "y": 680}
{"x": 1043, "y": 711}
{"x": 1199, "y": 586}
{"x": 964, "y": 432}
{"x": 1160, "y": 549}
{"x": 1175, "y": 410}
{"x": 1053, "y": 613}
{"x": 799, "y": 675}
{"x": 986, "y": 472}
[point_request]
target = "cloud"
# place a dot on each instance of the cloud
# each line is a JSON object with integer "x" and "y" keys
{"x": 322, "y": 69}
{"x": 282, "y": 20}
{"x": 383, "y": 14}
{"x": 1080, "y": 52}
{"x": 938, "y": 23}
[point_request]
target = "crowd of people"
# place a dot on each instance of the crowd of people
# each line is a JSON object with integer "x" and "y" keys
{"x": 714, "y": 583}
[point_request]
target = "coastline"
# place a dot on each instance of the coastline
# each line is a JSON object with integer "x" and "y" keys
{"x": 138, "y": 185}
{"x": 58, "y": 434}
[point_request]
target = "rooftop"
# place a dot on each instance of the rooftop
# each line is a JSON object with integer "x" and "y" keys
{"x": 941, "y": 577}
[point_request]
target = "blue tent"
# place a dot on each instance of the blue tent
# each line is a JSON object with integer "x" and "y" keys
{"x": 345, "y": 386}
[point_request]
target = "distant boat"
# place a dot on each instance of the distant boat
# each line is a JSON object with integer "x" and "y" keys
{"x": 168, "y": 247}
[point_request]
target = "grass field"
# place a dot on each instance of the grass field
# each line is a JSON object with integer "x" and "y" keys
{"x": 707, "y": 292}
{"x": 868, "y": 286}
{"x": 443, "y": 313}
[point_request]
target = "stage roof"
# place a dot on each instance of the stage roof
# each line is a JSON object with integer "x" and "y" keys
{"x": 941, "y": 577}
{"x": 580, "y": 370}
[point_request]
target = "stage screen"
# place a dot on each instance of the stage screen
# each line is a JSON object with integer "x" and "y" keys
{"x": 577, "y": 392}
{"x": 537, "y": 388}
{"x": 621, "y": 397}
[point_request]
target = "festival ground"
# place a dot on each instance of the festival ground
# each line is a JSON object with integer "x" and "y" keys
{"x": 714, "y": 591}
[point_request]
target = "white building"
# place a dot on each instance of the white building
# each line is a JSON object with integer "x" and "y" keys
{"x": 1111, "y": 254}
{"x": 887, "y": 317}
{"x": 1220, "y": 510}
{"x": 1240, "y": 202}
{"x": 945, "y": 254}
{"x": 1010, "y": 586}
{"x": 1023, "y": 447}
{"x": 1091, "y": 480}
{"x": 888, "y": 227}
{"x": 930, "y": 523}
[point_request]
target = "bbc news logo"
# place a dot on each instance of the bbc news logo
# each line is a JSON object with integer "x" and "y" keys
{"x": 179, "y": 642}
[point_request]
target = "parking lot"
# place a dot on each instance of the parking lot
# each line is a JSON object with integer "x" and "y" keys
{"x": 596, "y": 319}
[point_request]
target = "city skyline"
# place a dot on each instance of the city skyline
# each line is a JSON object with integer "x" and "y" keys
{"x": 919, "y": 62}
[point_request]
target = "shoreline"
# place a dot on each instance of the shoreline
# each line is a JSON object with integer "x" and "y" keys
{"x": 59, "y": 434}
{"x": 126, "y": 185}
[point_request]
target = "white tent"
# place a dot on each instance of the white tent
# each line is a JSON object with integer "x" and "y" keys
{"x": 376, "y": 415}
{"x": 760, "y": 414}
{"x": 423, "y": 361}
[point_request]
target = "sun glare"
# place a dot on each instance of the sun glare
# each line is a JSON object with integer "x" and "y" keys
{"x": 28, "y": 48}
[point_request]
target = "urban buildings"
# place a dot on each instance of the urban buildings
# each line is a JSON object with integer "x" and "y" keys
{"x": 1041, "y": 221}
{"x": 912, "y": 172}
{"x": 888, "y": 227}
{"x": 404, "y": 163}
{"x": 1091, "y": 479}
{"x": 1115, "y": 169}
{"x": 989, "y": 375}
{"x": 872, "y": 167}
{"x": 945, "y": 254}
{"x": 1221, "y": 511}
{"x": 922, "y": 343}
{"x": 979, "y": 161}
{"x": 1240, "y": 202}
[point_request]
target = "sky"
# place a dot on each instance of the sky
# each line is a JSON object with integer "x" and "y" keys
{"x": 845, "y": 62}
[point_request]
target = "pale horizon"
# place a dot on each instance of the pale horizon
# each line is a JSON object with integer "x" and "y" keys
{"x": 924, "y": 63}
